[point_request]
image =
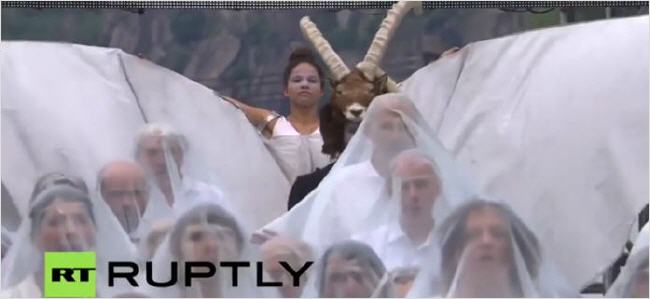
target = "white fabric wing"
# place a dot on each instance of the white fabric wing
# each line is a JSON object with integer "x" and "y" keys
{"x": 73, "y": 108}
{"x": 555, "y": 122}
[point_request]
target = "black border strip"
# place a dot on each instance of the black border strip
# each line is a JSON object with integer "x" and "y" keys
{"x": 278, "y": 5}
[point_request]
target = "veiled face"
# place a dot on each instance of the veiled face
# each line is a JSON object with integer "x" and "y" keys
{"x": 66, "y": 226}
{"x": 419, "y": 188}
{"x": 487, "y": 240}
{"x": 388, "y": 132}
{"x": 125, "y": 191}
{"x": 208, "y": 242}
{"x": 346, "y": 278}
{"x": 304, "y": 86}
{"x": 151, "y": 155}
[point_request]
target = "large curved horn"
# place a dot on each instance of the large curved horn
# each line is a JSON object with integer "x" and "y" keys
{"x": 332, "y": 60}
{"x": 391, "y": 86}
{"x": 384, "y": 34}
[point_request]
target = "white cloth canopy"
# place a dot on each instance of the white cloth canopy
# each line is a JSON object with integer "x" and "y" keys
{"x": 555, "y": 122}
{"x": 73, "y": 108}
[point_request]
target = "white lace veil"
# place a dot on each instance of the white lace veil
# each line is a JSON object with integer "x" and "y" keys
{"x": 354, "y": 196}
{"x": 202, "y": 221}
{"x": 486, "y": 250}
{"x": 108, "y": 240}
{"x": 630, "y": 282}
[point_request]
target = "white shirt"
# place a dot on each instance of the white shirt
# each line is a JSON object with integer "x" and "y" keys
{"x": 395, "y": 248}
{"x": 296, "y": 154}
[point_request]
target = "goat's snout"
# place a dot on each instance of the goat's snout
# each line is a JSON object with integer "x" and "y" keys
{"x": 355, "y": 112}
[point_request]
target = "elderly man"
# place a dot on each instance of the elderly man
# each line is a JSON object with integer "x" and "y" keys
{"x": 123, "y": 187}
{"x": 405, "y": 240}
{"x": 160, "y": 150}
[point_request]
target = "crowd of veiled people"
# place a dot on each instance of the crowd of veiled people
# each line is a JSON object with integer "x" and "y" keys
{"x": 393, "y": 215}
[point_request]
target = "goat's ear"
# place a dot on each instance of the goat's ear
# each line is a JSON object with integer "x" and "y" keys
{"x": 381, "y": 84}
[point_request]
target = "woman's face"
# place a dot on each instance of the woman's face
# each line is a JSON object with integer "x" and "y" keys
{"x": 304, "y": 86}
{"x": 487, "y": 239}
{"x": 389, "y": 133}
{"x": 66, "y": 226}
{"x": 208, "y": 242}
{"x": 346, "y": 278}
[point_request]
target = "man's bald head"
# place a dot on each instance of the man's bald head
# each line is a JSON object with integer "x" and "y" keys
{"x": 412, "y": 162}
{"x": 123, "y": 186}
{"x": 418, "y": 181}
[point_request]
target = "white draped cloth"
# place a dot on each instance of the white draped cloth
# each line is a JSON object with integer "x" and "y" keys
{"x": 555, "y": 122}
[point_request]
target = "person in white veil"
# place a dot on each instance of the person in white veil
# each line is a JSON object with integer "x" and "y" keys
{"x": 415, "y": 188}
{"x": 160, "y": 150}
{"x": 62, "y": 218}
{"x": 123, "y": 186}
{"x": 347, "y": 269}
{"x": 206, "y": 233}
{"x": 354, "y": 197}
{"x": 632, "y": 282}
{"x": 486, "y": 250}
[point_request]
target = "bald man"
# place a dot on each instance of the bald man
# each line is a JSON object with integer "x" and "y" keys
{"x": 123, "y": 187}
{"x": 405, "y": 241}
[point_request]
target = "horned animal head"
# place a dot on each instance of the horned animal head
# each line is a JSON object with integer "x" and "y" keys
{"x": 352, "y": 91}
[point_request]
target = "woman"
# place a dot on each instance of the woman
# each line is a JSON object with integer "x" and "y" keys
{"x": 295, "y": 141}
{"x": 349, "y": 269}
{"x": 61, "y": 218}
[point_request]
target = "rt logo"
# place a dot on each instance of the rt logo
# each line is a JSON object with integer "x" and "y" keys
{"x": 69, "y": 274}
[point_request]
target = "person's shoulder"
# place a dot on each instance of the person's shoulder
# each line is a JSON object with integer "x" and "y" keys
{"x": 283, "y": 128}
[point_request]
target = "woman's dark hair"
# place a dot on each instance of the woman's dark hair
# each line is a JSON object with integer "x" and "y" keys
{"x": 210, "y": 213}
{"x": 454, "y": 242}
{"x": 298, "y": 56}
{"x": 54, "y": 179}
{"x": 47, "y": 196}
{"x": 351, "y": 250}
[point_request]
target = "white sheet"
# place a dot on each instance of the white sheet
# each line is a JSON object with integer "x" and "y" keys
{"x": 555, "y": 122}
{"x": 73, "y": 108}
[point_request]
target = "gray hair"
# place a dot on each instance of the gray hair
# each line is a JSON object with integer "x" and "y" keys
{"x": 352, "y": 250}
{"x": 414, "y": 153}
{"x": 169, "y": 134}
{"x": 47, "y": 196}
